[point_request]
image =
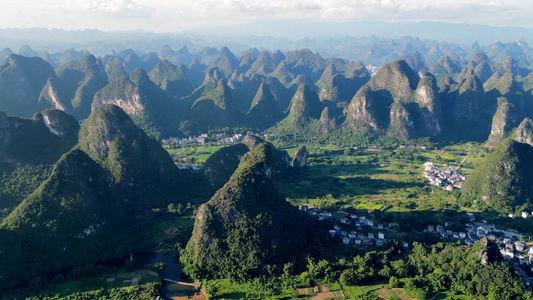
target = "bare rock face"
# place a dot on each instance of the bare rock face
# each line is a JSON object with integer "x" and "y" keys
{"x": 401, "y": 124}
{"x": 122, "y": 93}
{"x": 327, "y": 121}
{"x": 300, "y": 157}
{"x": 524, "y": 132}
{"x": 429, "y": 105}
{"x": 58, "y": 122}
{"x": 504, "y": 120}
{"x": 360, "y": 114}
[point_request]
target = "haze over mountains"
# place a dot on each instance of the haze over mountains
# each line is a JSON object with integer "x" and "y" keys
{"x": 347, "y": 40}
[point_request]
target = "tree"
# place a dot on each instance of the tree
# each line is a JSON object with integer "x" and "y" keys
{"x": 394, "y": 282}
{"x": 159, "y": 267}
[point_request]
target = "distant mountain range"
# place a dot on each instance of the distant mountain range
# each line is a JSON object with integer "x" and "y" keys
{"x": 347, "y": 40}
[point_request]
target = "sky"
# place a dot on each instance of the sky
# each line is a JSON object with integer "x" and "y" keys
{"x": 180, "y": 15}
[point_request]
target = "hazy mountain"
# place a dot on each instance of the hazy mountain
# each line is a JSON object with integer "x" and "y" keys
{"x": 21, "y": 81}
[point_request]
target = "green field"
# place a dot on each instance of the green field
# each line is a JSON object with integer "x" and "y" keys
{"x": 196, "y": 155}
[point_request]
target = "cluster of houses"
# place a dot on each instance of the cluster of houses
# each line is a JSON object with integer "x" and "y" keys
{"x": 474, "y": 231}
{"x": 443, "y": 176}
{"x": 353, "y": 229}
{"x": 203, "y": 139}
{"x": 524, "y": 215}
{"x": 174, "y": 142}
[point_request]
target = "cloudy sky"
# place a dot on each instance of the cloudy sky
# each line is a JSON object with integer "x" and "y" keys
{"x": 178, "y": 15}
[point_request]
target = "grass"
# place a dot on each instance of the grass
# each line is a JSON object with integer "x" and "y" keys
{"x": 379, "y": 180}
{"x": 357, "y": 291}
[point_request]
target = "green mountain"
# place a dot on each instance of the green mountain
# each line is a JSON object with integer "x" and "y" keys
{"x": 263, "y": 65}
{"x": 135, "y": 162}
{"x": 283, "y": 73}
{"x": 396, "y": 79}
{"x": 245, "y": 94}
{"x": 225, "y": 61}
{"x": 220, "y": 166}
{"x": 75, "y": 200}
{"x": 446, "y": 66}
{"x": 171, "y": 78}
{"x": 246, "y": 225}
{"x": 29, "y": 149}
{"x": 504, "y": 181}
{"x": 339, "y": 90}
{"x": 114, "y": 68}
{"x": 73, "y": 218}
{"x": 94, "y": 79}
{"x": 145, "y": 104}
{"x": 21, "y": 81}
{"x": 304, "y": 112}
{"x": 264, "y": 112}
{"x": 216, "y": 108}
{"x": 40, "y": 140}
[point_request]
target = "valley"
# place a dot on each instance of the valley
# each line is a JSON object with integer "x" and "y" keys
{"x": 267, "y": 174}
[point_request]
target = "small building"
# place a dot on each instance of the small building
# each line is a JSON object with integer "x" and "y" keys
{"x": 358, "y": 241}
{"x": 519, "y": 246}
{"x": 379, "y": 243}
{"x": 369, "y": 222}
{"x": 304, "y": 207}
{"x": 462, "y": 235}
{"x": 512, "y": 216}
{"x": 381, "y": 235}
{"x": 431, "y": 228}
{"x": 428, "y": 166}
{"x": 346, "y": 240}
{"x": 380, "y": 226}
{"x": 481, "y": 232}
{"x": 333, "y": 232}
{"x": 405, "y": 244}
{"x": 525, "y": 214}
{"x": 337, "y": 227}
{"x": 370, "y": 235}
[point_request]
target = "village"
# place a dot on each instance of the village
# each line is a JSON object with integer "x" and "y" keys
{"x": 445, "y": 177}
{"x": 363, "y": 230}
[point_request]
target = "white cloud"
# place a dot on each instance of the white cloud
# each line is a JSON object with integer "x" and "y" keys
{"x": 176, "y": 15}
{"x": 114, "y": 8}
